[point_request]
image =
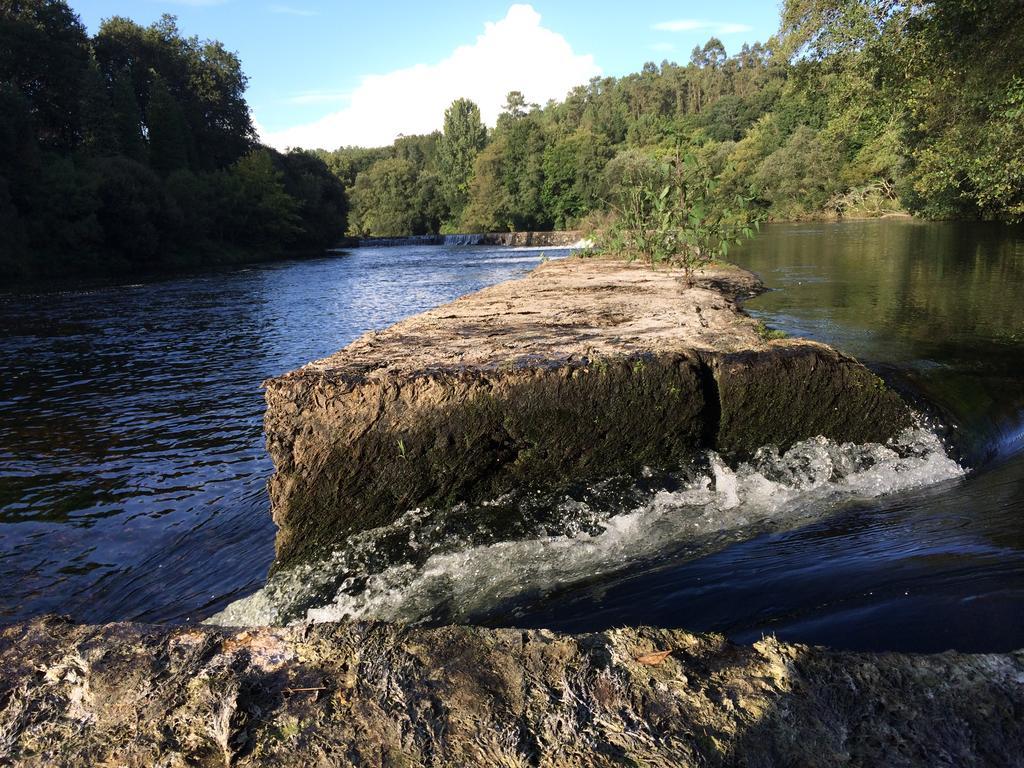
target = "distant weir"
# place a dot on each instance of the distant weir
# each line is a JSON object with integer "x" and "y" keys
{"x": 560, "y": 239}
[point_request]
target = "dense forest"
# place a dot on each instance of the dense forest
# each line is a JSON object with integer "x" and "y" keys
{"x": 856, "y": 108}
{"x": 134, "y": 150}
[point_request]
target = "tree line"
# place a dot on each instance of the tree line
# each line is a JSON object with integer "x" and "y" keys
{"x": 855, "y": 107}
{"x": 134, "y": 149}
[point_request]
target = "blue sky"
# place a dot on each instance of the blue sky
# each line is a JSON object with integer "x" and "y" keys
{"x": 331, "y": 73}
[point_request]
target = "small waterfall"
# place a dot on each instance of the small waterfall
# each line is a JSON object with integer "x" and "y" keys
{"x": 454, "y": 565}
{"x": 460, "y": 240}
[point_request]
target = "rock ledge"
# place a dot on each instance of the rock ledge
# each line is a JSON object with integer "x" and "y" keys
{"x": 385, "y": 695}
{"x": 585, "y": 369}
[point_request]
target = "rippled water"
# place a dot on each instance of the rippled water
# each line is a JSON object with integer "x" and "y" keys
{"x": 132, "y": 464}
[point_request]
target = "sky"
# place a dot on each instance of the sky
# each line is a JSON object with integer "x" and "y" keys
{"x": 328, "y": 74}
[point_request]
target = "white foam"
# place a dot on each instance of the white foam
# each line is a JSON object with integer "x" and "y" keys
{"x": 454, "y": 579}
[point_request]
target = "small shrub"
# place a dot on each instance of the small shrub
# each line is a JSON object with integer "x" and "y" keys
{"x": 768, "y": 334}
{"x": 674, "y": 214}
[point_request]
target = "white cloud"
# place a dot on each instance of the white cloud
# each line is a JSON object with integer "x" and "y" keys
{"x": 516, "y": 53}
{"x": 699, "y": 25}
{"x": 289, "y": 10}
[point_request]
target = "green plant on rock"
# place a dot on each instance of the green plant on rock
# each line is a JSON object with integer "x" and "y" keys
{"x": 673, "y": 213}
{"x": 768, "y": 334}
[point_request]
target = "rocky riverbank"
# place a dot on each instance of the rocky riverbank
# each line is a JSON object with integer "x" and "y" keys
{"x": 385, "y": 695}
{"x": 585, "y": 369}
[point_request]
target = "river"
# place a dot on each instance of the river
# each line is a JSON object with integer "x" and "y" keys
{"x": 132, "y": 468}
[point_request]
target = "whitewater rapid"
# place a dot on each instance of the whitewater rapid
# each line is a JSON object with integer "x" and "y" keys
{"x": 432, "y": 566}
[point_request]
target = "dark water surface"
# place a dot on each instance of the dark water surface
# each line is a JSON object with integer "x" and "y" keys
{"x": 132, "y": 464}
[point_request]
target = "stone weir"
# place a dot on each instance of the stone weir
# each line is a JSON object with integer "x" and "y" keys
{"x": 582, "y": 369}
{"x": 585, "y": 369}
{"x": 556, "y": 239}
{"x": 386, "y": 695}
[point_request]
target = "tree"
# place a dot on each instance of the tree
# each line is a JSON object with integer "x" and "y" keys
{"x": 522, "y": 171}
{"x": 489, "y": 204}
{"x": 133, "y": 149}
{"x": 463, "y": 138}
{"x": 14, "y": 242}
{"x": 515, "y": 105}
{"x": 98, "y": 127}
{"x": 19, "y": 151}
{"x": 801, "y": 176}
{"x": 258, "y": 208}
{"x": 322, "y": 203}
{"x": 44, "y": 54}
{"x": 572, "y": 176}
{"x": 166, "y": 128}
{"x": 203, "y": 77}
{"x": 939, "y": 79}
{"x": 130, "y": 210}
{"x": 217, "y": 113}
{"x": 382, "y": 199}
{"x": 127, "y": 118}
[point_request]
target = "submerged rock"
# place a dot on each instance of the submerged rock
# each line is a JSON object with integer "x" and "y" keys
{"x": 380, "y": 694}
{"x": 585, "y": 369}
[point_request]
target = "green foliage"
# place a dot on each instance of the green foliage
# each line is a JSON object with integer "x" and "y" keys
{"x": 573, "y": 166}
{"x": 322, "y": 204}
{"x": 768, "y": 334}
{"x": 936, "y": 83}
{"x": 127, "y": 119}
{"x": 259, "y": 209}
{"x": 799, "y": 177}
{"x": 876, "y": 198}
{"x": 99, "y": 129}
{"x": 44, "y": 53}
{"x": 135, "y": 150}
{"x": 858, "y": 107}
{"x": 168, "y": 131}
{"x": 391, "y": 187}
{"x": 673, "y": 214}
{"x": 348, "y": 162}
{"x": 489, "y": 203}
{"x": 382, "y": 199}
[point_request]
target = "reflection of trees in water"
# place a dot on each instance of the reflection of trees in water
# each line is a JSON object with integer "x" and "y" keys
{"x": 923, "y": 281}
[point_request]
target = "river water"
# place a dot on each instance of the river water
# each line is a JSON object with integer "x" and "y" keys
{"x": 132, "y": 468}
